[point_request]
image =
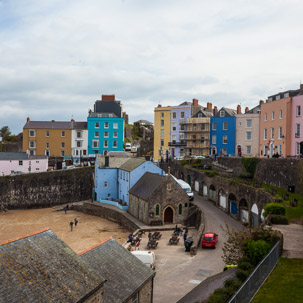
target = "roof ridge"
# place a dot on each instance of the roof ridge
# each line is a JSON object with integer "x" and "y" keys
{"x": 25, "y": 236}
{"x": 94, "y": 246}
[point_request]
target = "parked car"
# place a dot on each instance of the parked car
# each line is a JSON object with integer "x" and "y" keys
{"x": 230, "y": 266}
{"x": 209, "y": 240}
{"x": 69, "y": 167}
{"x": 134, "y": 149}
{"x": 198, "y": 157}
{"x": 147, "y": 257}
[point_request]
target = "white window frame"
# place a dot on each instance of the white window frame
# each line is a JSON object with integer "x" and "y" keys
{"x": 280, "y": 114}
{"x": 115, "y": 125}
{"x": 174, "y": 126}
{"x": 272, "y": 133}
{"x": 214, "y": 126}
{"x": 34, "y": 144}
{"x": 106, "y": 125}
{"x": 105, "y": 143}
{"x": 298, "y": 111}
{"x": 162, "y": 123}
{"x": 222, "y": 113}
{"x": 247, "y": 137}
{"x": 298, "y": 130}
{"x": 265, "y": 134}
{"x": 272, "y": 115}
{"x": 106, "y": 134}
{"x": 297, "y": 148}
{"x": 115, "y": 135}
{"x": 174, "y": 115}
{"x": 162, "y": 133}
{"x": 62, "y": 144}
{"x": 248, "y": 123}
{"x": 182, "y": 115}
{"x": 280, "y": 132}
{"x": 34, "y": 133}
{"x": 214, "y": 139}
{"x": 225, "y": 125}
{"x": 47, "y": 133}
{"x": 265, "y": 117}
{"x": 97, "y": 125}
{"x": 62, "y": 153}
{"x": 114, "y": 144}
{"x": 63, "y": 133}
{"x": 93, "y": 144}
{"x": 96, "y": 134}
{"x": 224, "y": 139}
{"x": 248, "y": 149}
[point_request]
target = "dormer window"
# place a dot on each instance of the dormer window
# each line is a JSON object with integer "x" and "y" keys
{"x": 222, "y": 113}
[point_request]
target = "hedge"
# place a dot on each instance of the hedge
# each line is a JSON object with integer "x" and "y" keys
{"x": 278, "y": 219}
{"x": 274, "y": 208}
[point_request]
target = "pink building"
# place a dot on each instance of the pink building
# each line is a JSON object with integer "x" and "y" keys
{"x": 21, "y": 163}
{"x": 297, "y": 126}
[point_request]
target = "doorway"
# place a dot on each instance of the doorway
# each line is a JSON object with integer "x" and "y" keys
{"x": 168, "y": 215}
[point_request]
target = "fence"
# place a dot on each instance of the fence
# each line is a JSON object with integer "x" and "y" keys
{"x": 256, "y": 279}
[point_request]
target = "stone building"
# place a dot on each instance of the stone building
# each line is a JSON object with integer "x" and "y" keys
{"x": 127, "y": 278}
{"x": 41, "y": 268}
{"x": 158, "y": 198}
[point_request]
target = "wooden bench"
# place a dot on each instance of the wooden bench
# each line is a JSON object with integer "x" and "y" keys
{"x": 156, "y": 235}
{"x": 174, "y": 240}
{"x": 157, "y": 222}
{"x": 152, "y": 244}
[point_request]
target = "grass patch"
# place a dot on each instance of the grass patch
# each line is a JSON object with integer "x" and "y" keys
{"x": 284, "y": 284}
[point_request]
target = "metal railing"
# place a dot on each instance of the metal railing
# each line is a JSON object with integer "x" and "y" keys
{"x": 256, "y": 279}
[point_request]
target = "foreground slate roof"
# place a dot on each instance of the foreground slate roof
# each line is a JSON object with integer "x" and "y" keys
{"x": 146, "y": 185}
{"x": 124, "y": 273}
{"x": 42, "y": 268}
{"x": 114, "y": 162}
{"x": 132, "y": 163}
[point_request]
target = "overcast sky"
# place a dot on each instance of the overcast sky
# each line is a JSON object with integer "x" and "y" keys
{"x": 57, "y": 57}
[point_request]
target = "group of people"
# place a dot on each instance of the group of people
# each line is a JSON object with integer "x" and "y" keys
{"x": 71, "y": 223}
{"x": 133, "y": 239}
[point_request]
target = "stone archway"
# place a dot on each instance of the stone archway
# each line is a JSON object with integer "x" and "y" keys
{"x": 254, "y": 215}
{"x": 212, "y": 195}
{"x": 168, "y": 215}
{"x": 222, "y": 198}
{"x": 243, "y": 210}
{"x": 232, "y": 204}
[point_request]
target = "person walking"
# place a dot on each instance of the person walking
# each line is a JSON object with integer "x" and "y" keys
{"x": 65, "y": 209}
{"x": 185, "y": 237}
{"x": 76, "y": 222}
{"x": 71, "y": 223}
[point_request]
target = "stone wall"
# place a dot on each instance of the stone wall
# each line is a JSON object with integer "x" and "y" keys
{"x": 46, "y": 189}
{"x": 146, "y": 292}
{"x": 112, "y": 214}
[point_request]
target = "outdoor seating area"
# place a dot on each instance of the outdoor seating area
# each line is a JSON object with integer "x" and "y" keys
{"x": 174, "y": 240}
{"x": 156, "y": 235}
{"x": 152, "y": 243}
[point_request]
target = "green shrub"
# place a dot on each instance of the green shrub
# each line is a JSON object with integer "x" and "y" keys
{"x": 274, "y": 208}
{"x": 256, "y": 250}
{"x": 232, "y": 283}
{"x": 184, "y": 162}
{"x": 278, "y": 219}
{"x": 247, "y": 266}
{"x": 250, "y": 164}
{"x": 244, "y": 259}
{"x": 246, "y": 175}
{"x": 211, "y": 173}
{"x": 242, "y": 275}
{"x": 219, "y": 296}
{"x": 196, "y": 165}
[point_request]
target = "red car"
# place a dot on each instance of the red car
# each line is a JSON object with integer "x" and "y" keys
{"x": 209, "y": 240}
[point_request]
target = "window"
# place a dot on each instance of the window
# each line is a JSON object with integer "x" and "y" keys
{"x": 47, "y": 145}
{"x": 248, "y": 136}
{"x": 63, "y": 133}
{"x": 265, "y": 134}
{"x": 96, "y": 134}
{"x": 182, "y": 115}
{"x": 162, "y": 132}
{"x": 115, "y": 144}
{"x": 280, "y": 149}
{"x": 214, "y": 125}
{"x": 298, "y": 148}
{"x": 174, "y": 138}
{"x": 248, "y": 149}
{"x": 272, "y": 115}
{"x": 97, "y": 125}
{"x": 105, "y": 124}
{"x": 115, "y": 135}
{"x": 115, "y": 125}
{"x": 95, "y": 143}
{"x": 280, "y": 114}
{"x": 62, "y": 153}
{"x": 298, "y": 110}
{"x": 194, "y": 126}
{"x": 224, "y": 139}
{"x": 174, "y": 126}
{"x": 157, "y": 210}
{"x": 62, "y": 144}
{"x": 79, "y": 135}
{"x": 105, "y": 143}
{"x": 47, "y": 152}
{"x": 79, "y": 144}
{"x": 105, "y": 184}
{"x": 174, "y": 115}
{"x": 126, "y": 176}
{"x": 280, "y": 132}
{"x": 272, "y": 133}
{"x": 265, "y": 117}
{"x": 240, "y": 123}
{"x": 168, "y": 187}
{"x": 32, "y": 133}
{"x": 20, "y": 163}
{"x": 180, "y": 209}
{"x": 225, "y": 125}
{"x": 224, "y": 151}
{"x": 214, "y": 139}
{"x": 47, "y": 133}
{"x": 162, "y": 122}
{"x": 278, "y": 97}
{"x": 37, "y": 161}
{"x": 32, "y": 144}
{"x": 222, "y": 113}
{"x": 203, "y": 126}
{"x": 105, "y": 134}
{"x": 249, "y": 123}
{"x": 182, "y": 127}
{"x": 32, "y": 152}
{"x": 161, "y": 142}
{"x": 286, "y": 95}
{"x": 162, "y": 115}
{"x": 297, "y": 130}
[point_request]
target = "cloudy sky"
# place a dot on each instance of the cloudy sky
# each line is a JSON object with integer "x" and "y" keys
{"x": 58, "y": 56}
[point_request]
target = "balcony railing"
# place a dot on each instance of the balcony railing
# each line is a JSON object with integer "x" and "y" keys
{"x": 175, "y": 143}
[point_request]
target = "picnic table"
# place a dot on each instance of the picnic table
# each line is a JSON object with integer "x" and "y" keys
{"x": 174, "y": 240}
{"x": 156, "y": 235}
{"x": 152, "y": 244}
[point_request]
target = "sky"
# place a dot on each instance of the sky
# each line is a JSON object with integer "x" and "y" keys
{"x": 57, "y": 57}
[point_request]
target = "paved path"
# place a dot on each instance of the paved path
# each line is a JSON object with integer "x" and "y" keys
{"x": 177, "y": 271}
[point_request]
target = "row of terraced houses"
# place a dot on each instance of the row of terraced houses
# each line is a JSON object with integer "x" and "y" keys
{"x": 273, "y": 127}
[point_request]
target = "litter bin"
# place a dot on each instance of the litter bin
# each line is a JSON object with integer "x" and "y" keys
{"x": 188, "y": 243}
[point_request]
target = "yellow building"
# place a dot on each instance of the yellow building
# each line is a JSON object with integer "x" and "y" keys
{"x": 161, "y": 132}
{"x": 49, "y": 138}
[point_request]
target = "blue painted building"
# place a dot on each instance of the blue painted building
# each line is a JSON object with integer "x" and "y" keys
{"x": 115, "y": 176}
{"x": 223, "y": 132}
{"x": 105, "y": 126}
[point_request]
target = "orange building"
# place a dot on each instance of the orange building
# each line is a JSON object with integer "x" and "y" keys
{"x": 49, "y": 138}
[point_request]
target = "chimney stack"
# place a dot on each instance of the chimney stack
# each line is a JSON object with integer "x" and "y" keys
{"x": 209, "y": 106}
{"x": 215, "y": 110}
{"x": 239, "y": 109}
{"x": 261, "y": 102}
{"x": 159, "y": 105}
{"x": 106, "y": 161}
{"x": 108, "y": 98}
{"x": 28, "y": 119}
{"x": 246, "y": 109}
{"x": 195, "y": 102}
{"x": 301, "y": 89}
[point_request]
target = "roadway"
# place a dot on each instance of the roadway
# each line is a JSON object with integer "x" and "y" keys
{"x": 177, "y": 271}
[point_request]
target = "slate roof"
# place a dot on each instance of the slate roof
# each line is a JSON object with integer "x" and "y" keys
{"x": 114, "y": 162}
{"x": 132, "y": 163}
{"x": 254, "y": 110}
{"x": 42, "y": 268}
{"x": 204, "y": 114}
{"x": 186, "y": 103}
{"x": 229, "y": 111}
{"x": 118, "y": 154}
{"x": 6, "y": 156}
{"x": 146, "y": 185}
{"x": 79, "y": 125}
{"x": 125, "y": 274}
{"x": 55, "y": 125}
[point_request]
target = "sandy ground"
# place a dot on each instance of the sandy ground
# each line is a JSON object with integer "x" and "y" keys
{"x": 90, "y": 230}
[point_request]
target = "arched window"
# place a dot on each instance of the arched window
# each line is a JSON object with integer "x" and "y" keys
{"x": 180, "y": 209}
{"x": 157, "y": 210}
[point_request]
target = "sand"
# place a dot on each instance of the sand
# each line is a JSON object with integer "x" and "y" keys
{"x": 90, "y": 230}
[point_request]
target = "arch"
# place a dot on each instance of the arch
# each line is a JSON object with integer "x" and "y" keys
{"x": 157, "y": 210}
{"x": 243, "y": 211}
{"x": 204, "y": 189}
{"x": 212, "y": 193}
{"x": 222, "y": 198}
{"x": 254, "y": 215}
{"x": 180, "y": 210}
{"x": 212, "y": 187}
{"x": 168, "y": 214}
{"x": 232, "y": 204}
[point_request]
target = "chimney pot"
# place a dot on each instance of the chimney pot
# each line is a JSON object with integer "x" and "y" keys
{"x": 261, "y": 102}
{"x": 239, "y": 109}
{"x": 246, "y": 109}
{"x": 209, "y": 106}
{"x": 195, "y": 102}
{"x": 159, "y": 105}
{"x": 108, "y": 98}
{"x": 28, "y": 119}
{"x": 215, "y": 110}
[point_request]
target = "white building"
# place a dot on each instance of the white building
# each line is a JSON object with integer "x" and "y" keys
{"x": 79, "y": 140}
{"x": 21, "y": 163}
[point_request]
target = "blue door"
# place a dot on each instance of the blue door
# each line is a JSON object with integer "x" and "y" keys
{"x": 233, "y": 207}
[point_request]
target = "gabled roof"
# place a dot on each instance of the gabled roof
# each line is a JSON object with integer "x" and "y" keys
{"x": 186, "y": 103}
{"x": 18, "y": 156}
{"x": 132, "y": 163}
{"x": 204, "y": 114}
{"x": 124, "y": 273}
{"x": 114, "y": 162}
{"x": 254, "y": 110}
{"x": 146, "y": 185}
{"x": 230, "y": 112}
{"x": 42, "y": 268}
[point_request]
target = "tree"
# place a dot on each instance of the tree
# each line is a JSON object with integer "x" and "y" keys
{"x": 4, "y": 133}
